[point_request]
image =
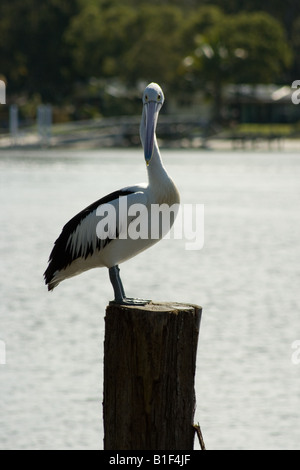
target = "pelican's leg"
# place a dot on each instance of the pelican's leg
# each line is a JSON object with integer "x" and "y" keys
{"x": 120, "y": 297}
{"x": 114, "y": 276}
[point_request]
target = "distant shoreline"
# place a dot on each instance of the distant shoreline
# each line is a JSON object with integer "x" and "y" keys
{"x": 32, "y": 142}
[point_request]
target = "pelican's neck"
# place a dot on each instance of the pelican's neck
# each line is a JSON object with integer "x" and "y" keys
{"x": 155, "y": 168}
{"x": 160, "y": 183}
{"x": 158, "y": 179}
{"x": 157, "y": 174}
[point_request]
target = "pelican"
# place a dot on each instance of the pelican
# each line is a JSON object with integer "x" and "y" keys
{"x": 85, "y": 243}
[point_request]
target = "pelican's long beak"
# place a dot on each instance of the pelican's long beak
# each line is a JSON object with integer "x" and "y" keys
{"x": 151, "y": 109}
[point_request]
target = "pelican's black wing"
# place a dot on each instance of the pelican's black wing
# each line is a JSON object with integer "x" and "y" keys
{"x": 62, "y": 254}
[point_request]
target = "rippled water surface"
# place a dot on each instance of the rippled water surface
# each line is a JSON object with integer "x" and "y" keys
{"x": 246, "y": 277}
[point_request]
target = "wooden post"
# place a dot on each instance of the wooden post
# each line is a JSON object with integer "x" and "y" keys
{"x": 149, "y": 370}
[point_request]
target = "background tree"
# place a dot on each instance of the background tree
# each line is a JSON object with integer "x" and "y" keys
{"x": 239, "y": 48}
{"x": 99, "y": 36}
{"x": 129, "y": 43}
{"x": 48, "y": 48}
{"x": 35, "y": 59}
{"x": 155, "y": 45}
{"x": 295, "y": 43}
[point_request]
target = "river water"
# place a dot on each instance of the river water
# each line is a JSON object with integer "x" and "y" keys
{"x": 246, "y": 277}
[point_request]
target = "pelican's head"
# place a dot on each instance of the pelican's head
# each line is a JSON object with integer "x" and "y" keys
{"x": 153, "y": 99}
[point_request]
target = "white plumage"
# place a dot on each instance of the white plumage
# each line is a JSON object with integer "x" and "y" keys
{"x": 104, "y": 234}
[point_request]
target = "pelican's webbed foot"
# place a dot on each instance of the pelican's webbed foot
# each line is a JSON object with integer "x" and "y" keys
{"x": 130, "y": 301}
{"x": 120, "y": 297}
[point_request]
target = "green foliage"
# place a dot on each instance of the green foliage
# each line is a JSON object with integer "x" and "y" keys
{"x": 243, "y": 48}
{"x": 125, "y": 42}
{"x": 266, "y": 130}
{"x": 34, "y": 57}
{"x": 295, "y": 43}
{"x": 47, "y": 48}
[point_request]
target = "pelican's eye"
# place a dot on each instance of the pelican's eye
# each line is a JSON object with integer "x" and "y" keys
{"x": 158, "y": 97}
{"x": 146, "y": 98}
